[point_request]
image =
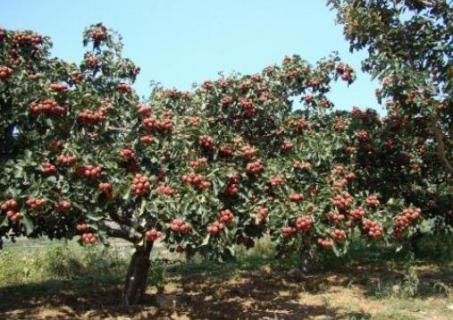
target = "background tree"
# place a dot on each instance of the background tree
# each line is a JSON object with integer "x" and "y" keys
{"x": 409, "y": 45}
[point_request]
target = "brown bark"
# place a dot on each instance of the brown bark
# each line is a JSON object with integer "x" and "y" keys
{"x": 137, "y": 274}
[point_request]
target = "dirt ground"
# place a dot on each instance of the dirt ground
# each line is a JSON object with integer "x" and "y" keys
{"x": 263, "y": 294}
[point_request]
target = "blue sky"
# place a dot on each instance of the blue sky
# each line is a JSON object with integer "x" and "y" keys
{"x": 179, "y": 42}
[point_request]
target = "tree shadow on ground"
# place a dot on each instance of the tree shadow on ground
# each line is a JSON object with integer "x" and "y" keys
{"x": 262, "y": 294}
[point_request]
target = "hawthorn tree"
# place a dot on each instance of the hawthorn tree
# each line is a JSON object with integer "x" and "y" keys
{"x": 409, "y": 46}
{"x": 201, "y": 171}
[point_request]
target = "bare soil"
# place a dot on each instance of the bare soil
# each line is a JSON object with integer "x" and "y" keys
{"x": 358, "y": 293}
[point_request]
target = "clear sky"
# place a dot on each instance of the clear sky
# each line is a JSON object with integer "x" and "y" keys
{"x": 179, "y": 42}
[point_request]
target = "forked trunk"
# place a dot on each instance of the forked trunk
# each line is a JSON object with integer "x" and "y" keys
{"x": 137, "y": 274}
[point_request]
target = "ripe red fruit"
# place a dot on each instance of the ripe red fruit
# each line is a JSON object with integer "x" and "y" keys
{"x": 5, "y": 72}
{"x": 215, "y": 227}
{"x": 63, "y": 206}
{"x": 262, "y": 213}
{"x": 296, "y": 197}
{"x": 325, "y": 243}
{"x": 89, "y": 238}
{"x": 140, "y": 184}
{"x": 304, "y": 223}
{"x": 179, "y": 226}
{"x": 48, "y": 168}
{"x": 48, "y": 107}
{"x": 166, "y": 190}
{"x": 288, "y": 231}
{"x": 255, "y": 167}
{"x": 127, "y": 154}
{"x": 152, "y": 234}
{"x": 66, "y": 160}
{"x": 35, "y": 203}
{"x": 357, "y": 213}
{"x": 196, "y": 180}
{"x": 7, "y": 205}
{"x": 342, "y": 201}
{"x": 338, "y": 234}
{"x": 206, "y": 142}
{"x": 89, "y": 171}
{"x": 226, "y": 216}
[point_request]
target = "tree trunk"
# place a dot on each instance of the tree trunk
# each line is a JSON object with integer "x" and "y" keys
{"x": 137, "y": 274}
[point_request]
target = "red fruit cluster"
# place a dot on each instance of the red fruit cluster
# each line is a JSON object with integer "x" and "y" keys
{"x": 199, "y": 163}
{"x": 166, "y": 190}
{"x": 140, "y": 184}
{"x": 287, "y": 145}
{"x": 338, "y": 235}
{"x": 87, "y": 116}
{"x": 106, "y": 188}
{"x": 196, "y": 180}
{"x": 296, "y": 197}
{"x": 91, "y": 61}
{"x": 226, "y": 101}
{"x": 144, "y": 110}
{"x": 89, "y": 171}
{"x": 362, "y": 135}
{"x": 340, "y": 124}
{"x": 58, "y": 87}
{"x": 335, "y": 217}
{"x": 8, "y": 205}
{"x": 35, "y": 203}
{"x": 127, "y": 154}
{"x": 147, "y": 139}
{"x": 248, "y": 152}
{"x": 10, "y": 208}
{"x": 152, "y": 235}
{"x": 215, "y": 227}
{"x": 226, "y": 216}
{"x": 345, "y": 72}
{"x": 48, "y": 107}
{"x": 254, "y": 167}
{"x": 152, "y": 124}
{"x": 27, "y": 38}
{"x": 232, "y": 187}
{"x": 247, "y": 106}
{"x": 66, "y": 160}
{"x": 263, "y": 213}
{"x": 300, "y": 126}
{"x": 179, "y": 226}
{"x": 226, "y": 151}
{"x": 342, "y": 201}
{"x": 372, "y": 201}
{"x": 405, "y": 218}
{"x": 82, "y": 227}
{"x": 357, "y": 213}
{"x": 98, "y": 35}
{"x": 206, "y": 142}
{"x": 124, "y": 87}
{"x": 89, "y": 238}
{"x": 47, "y": 168}
{"x": 276, "y": 181}
{"x": 304, "y": 223}
{"x": 325, "y": 243}
{"x": 374, "y": 229}
{"x": 288, "y": 231}
{"x": 63, "y": 206}
{"x": 5, "y": 72}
